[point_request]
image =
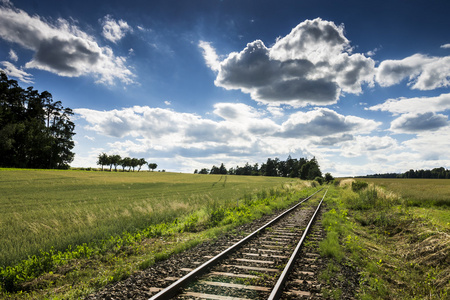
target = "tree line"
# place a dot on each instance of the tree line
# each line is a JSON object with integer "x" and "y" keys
{"x": 126, "y": 162}
{"x": 436, "y": 173}
{"x": 35, "y": 130}
{"x": 301, "y": 168}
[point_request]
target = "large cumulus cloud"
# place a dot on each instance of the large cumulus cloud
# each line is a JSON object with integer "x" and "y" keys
{"x": 313, "y": 64}
{"x": 61, "y": 48}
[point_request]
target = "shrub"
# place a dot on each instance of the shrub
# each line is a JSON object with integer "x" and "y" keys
{"x": 216, "y": 216}
{"x": 359, "y": 185}
{"x": 191, "y": 223}
{"x": 319, "y": 180}
{"x": 364, "y": 200}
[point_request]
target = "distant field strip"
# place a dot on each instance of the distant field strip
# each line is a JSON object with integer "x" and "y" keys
{"x": 41, "y": 209}
{"x": 418, "y": 192}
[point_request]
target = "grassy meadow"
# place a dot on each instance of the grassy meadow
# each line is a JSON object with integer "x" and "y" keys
{"x": 66, "y": 234}
{"x": 417, "y": 192}
{"x": 41, "y": 209}
{"x": 394, "y": 232}
{"x": 426, "y": 198}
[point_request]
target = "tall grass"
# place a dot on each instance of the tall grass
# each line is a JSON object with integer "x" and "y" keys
{"x": 50, "y": 209}
{"x": 214, "y": 217}
{"x": 417, "y": 192}
{"x": 398, "y": 254}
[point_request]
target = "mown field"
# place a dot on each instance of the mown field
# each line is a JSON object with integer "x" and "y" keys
{"x": 41, "y": 209}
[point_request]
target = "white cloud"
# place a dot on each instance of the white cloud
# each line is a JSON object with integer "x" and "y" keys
{"x": 419, "y": 122}
{"x": 431, "y": 146}
{"x": 371, "y": 154}
{"x": 88, "y": 159}
{"x": 276, "y": 111}
{"x": 13, "y": 55}
{"x": 241, "y": 133}
{"x": 236, "y": 133}
{"x": 315, "y": 40}
{"x": 416, "y": 114}
{"x": 210, "y": 55}
{"x": 12, "y": 71}
{"x": 322, "y": 122}
{"x": 334, "y": 139}
{"x": 245, "y": 120}
{"x": 415, "y": 105}
{"x": 236, "y": 111}
{"x": 114, "y": 30}
{"x": 62, "y": 48}
{"x": 373, "y": 52}
{"x": 446, "y": 46}
{"x": 311, "y": 65}
{"x": 422, "y": 72}
{"x": 137, "y": 121}
{"x": 367, "y": 145}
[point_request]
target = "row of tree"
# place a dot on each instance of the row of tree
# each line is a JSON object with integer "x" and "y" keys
{"x": 291, "y": 167}
{"x": 126, "y": 162}
{"x": 35, "y": 130}
{"x": 436, "y": 173}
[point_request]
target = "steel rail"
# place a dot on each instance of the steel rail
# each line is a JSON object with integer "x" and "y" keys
{"x": 279, "y": 286}
{"x": 172, "y": 290}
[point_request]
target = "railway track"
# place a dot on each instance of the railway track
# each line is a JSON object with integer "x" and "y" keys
{"x": 256, "y": 267}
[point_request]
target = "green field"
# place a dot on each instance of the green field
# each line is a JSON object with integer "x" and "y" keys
{"x": 117, "y": 223}
{"x": 396, "y": 231}
{"x": 417, "y": 192}
{"x": 427, "y": 198}
{"x": 41, "y": 209}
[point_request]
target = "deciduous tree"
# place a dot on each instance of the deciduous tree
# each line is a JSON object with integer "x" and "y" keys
{"x": 125, "y": 162}
{"x": 102, "y": 159}
{"x": 115, "y": 161}
{"x": 141, "y": 162}
{"x": 328, "y": 178}
{"x": 152, "y": 166}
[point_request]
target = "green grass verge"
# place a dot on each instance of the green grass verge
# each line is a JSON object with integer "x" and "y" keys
{"x": 45, "y": 209}
{"x": 69, "y": 273}
{"x": 398, "y": 253}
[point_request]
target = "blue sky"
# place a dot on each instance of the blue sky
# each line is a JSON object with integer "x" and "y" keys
{"x": 362, "y": 86}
